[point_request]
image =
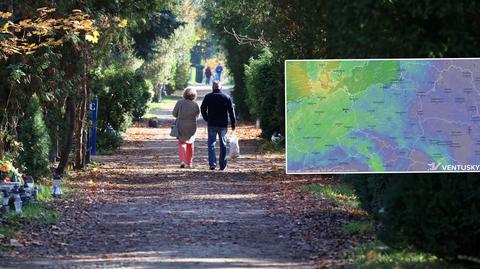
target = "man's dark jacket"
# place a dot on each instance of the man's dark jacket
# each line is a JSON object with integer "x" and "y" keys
{"x": 215, "y": 107}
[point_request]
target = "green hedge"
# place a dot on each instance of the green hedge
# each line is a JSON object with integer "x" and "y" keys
{"x": 370, "y": 191}
{"x": 435, "y": 213}
{"x": 265, "y": 93}
{"x": 108, "y": 142}
{"x": 237, "y": 57}
{"x": 123, "y": 94}
{"x": 34, "y": 136}
{"x": 182, "y": 76}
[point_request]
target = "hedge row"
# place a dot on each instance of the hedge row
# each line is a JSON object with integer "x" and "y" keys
{"x": 265, "y": 95}
{"x": 435, "y": 213}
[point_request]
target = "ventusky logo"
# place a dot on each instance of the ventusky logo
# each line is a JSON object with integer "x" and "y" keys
{"x": 433, "y": 166}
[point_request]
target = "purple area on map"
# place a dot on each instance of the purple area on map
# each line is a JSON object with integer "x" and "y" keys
{"x": 448, "y": 113}
{"x": 429, "y": 115}
{"x": 419, "y": 161}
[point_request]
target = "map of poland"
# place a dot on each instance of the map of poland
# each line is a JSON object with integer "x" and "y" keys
{"x": 383, "y": 116}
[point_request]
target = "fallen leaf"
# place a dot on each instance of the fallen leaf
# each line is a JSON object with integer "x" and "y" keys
{"x": 15, "y": 243}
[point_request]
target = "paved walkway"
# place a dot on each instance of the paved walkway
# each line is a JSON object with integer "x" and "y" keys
{"x": 150, "y": 213}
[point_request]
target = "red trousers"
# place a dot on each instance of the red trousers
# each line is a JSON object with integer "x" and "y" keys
{"x": 185, "y": 152}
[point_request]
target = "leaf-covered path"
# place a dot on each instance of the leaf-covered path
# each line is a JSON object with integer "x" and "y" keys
{"x": 143, "y": 211}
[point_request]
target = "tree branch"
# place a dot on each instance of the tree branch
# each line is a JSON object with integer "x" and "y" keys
{"x": 243, "y": 39}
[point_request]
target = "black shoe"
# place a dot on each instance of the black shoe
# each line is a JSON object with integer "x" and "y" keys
{"x": 212, "y": 167}
{"x": 222, "y": 168}
{"x": 182, "y": 165}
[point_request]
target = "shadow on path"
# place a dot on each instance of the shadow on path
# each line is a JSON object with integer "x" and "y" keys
{"x": 149, "y": 213}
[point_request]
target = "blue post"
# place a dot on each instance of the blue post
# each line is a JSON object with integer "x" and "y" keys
{"x": 93, "y": 139}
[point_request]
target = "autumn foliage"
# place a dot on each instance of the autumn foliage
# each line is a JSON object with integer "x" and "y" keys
{"x": 43, "y": 30}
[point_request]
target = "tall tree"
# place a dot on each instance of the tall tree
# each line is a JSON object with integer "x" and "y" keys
{"x": 61, "y": 28}
{"x": 36, "y": 141}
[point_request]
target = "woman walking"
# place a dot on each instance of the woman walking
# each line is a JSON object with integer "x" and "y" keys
{"x": 186, "y": 111}
{"x": 208, "y": 75}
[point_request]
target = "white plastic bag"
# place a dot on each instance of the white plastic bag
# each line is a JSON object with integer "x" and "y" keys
{"x": 234, "y": 148}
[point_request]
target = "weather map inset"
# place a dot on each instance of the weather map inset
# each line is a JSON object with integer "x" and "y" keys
{"x": 383, "y": 115}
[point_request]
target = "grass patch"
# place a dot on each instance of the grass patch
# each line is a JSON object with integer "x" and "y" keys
{"x": 342, "y": 194}
{"x": 8, "y": 227}
{"x": 168, "y": 102}
{"x": 39, "y": 213}
{"x": 376, "y": 255}
{"x": 6, "y": 249}
{"x": 107, "y": 152}
{"x": 44, "y": 195}
{"x": 358, "y": 228}
{"x": 34, "y": 213}
{"x": 269, "y": 146}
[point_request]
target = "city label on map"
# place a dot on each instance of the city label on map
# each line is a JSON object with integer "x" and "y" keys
{"x": 383, "y": 116}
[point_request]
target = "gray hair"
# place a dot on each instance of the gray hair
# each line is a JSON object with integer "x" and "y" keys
{"x": 216, "y": 85}
{"x": 190, "y": 94}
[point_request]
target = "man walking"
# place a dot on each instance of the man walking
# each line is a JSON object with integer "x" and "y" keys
{"x": 218, "y": 71}
{"x": 216, "y": 108}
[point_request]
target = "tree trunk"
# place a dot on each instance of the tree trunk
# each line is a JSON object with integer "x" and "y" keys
{"x": 68, "y": 141}
{"x": 79, "y": 137}
{"x": 3, "y": 116}
{"x": 84, "y": 145}
{"x": 10, "y": 6}
{"x": 54, "y": 141}
{"x": 5, "y": 93}
{"x": 2, "y": 146}
{"x": 81, "y": 124}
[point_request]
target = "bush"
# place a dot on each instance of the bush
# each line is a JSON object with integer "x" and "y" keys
{"x": 169, "y": 89}
{"x": 36, "y": 142}
{"x": 265, "y": 93}
{"x": 108, "y": 142}
{"x": 143, "y": 98}
{"x": 182, "y": 76}
{"x": 435, "y": 213}
{"x": 122, "y": 94}
{"x": 375, "y": 255}
{"x": 439, "y": 214}
{"x": 358, "y": 227}
{"x": 236, "y": 60}
{"x": 370, "y": 191}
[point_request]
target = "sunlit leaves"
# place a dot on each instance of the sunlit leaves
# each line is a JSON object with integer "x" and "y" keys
{"x": 123, "y": 23}
{"x": 93, "y": 37}
{"x": 5, "y": 15}
{"x": 44, "y": 29}
{"x": 54, "y": 42}
{"x": 4, "y": 28}
{"x": 87, "y": 24}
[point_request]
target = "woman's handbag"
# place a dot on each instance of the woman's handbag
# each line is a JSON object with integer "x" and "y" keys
{"x": 174, "y": 130}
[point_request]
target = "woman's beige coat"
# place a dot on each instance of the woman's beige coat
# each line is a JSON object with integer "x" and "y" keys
{"x": 186, "y": 112}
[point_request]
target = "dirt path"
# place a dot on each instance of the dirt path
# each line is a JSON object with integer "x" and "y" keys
{"x": 146, "y": 212}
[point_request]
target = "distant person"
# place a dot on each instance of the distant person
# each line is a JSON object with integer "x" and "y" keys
{"x": 216, "y": 108}
{"x": 218, "y": 72}
{"x": 208, "y": 75}
{"x": 186, "y": 112}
